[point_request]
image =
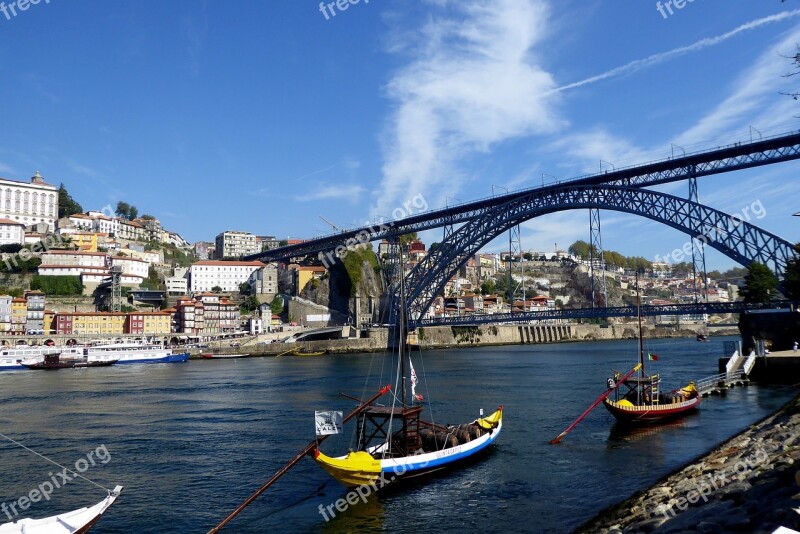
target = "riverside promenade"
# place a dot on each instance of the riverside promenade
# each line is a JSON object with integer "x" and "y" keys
{"x": 751, "y": 483}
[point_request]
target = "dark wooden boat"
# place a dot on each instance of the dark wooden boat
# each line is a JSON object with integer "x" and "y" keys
{"x": 54, "y": 361}
{"x": 638, "y": 398}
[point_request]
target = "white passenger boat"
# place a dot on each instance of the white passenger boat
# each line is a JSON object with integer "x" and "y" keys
{"x": 12, "y": 358}
{"x": 134, "y": 353}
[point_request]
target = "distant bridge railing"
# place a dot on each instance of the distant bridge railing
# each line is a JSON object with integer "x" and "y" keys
{"x": 712, "y": 308}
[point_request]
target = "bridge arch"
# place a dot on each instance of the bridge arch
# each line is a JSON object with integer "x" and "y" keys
{"x": 739, "y": 240}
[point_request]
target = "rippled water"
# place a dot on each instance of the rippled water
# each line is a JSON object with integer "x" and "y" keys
{"x": 191, "y": 441}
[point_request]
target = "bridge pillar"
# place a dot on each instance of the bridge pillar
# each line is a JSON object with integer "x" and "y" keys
{"x": 698, "y": 248}
{"x": 596, "y": 254}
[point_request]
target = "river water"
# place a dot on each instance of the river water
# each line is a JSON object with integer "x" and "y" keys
{"x": 191, "y": 441}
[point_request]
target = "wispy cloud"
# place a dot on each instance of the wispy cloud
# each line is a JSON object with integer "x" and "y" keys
{"x": 330, "y": 192}
{"x": 755, "y": 99}
{"x": 77, "y": 168}
{"x": 471, "y": 83}
{"x": 680, "y": 51}
{"x": 195, "y": 28}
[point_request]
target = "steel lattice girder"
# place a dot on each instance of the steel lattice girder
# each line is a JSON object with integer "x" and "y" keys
{"x": 593, "y": 313}
{"x": 721, "y": 160}
{"x": 740, "y": 241}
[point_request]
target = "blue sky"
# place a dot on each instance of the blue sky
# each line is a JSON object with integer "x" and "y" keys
{"x": 263, "y": 116}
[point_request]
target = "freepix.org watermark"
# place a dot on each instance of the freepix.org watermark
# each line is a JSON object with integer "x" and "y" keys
{"x": 363, "y": 492}
{"x": 711, "y": 483}
{"x": 361, "y": 240}
{"x": 49, "y": 242}
{"x": 666, "y": 9}
{"x": 17, "y": 6}
{"x": 56, "y": 481}
{"x": 755, "y": 210}
{"x": 329, "y": 10}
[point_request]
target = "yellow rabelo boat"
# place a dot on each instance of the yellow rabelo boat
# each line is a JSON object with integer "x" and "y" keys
{"x": 394, "y": 442}
{"x": 642, "y": 402}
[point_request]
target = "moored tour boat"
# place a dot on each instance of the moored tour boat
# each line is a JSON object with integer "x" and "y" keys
{"x": 643, "y": 402}
{"x": 75, "y": 522}
{"x": 127, "y": 353}
{"x": 55, "y": 361}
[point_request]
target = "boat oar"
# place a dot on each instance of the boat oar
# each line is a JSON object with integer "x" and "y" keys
{"x": 294, "y": 349}
{"x": 283, "y": 470}
{"x": 600, "y": 399}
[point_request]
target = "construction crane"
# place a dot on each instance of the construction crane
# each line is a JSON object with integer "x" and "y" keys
{"x": 335, "y": 228}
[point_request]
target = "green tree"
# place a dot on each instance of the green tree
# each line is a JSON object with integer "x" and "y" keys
{"x": 791, "y": 280}
{"x": 66, "y": 205}
{"x": 153, "y": 280}
{"x": 57, "y": 285}
{"x": 244, "y": 288}
{"x": 250, "y": 304}
{"x": 122, "y": 209}
{"x": 276, "y": 306}
{"x": 216, "y": 289}
{"x": 581, "y": 249}
{"x": 408, "y": 238}
{"x": 759, "y": 284}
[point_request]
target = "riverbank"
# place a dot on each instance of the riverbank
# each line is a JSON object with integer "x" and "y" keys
{"x": 445, "y": 337}
{"x": 748, "y": 484}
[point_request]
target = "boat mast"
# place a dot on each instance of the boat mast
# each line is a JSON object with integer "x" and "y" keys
{"x": 639, "y": 317}
{"x": 403, "y": 326}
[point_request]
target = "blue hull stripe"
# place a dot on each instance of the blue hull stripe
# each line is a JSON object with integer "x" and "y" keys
{"x": 425, "y": 466}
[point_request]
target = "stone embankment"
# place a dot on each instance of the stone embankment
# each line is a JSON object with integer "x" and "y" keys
{"x": 749, "y": 484}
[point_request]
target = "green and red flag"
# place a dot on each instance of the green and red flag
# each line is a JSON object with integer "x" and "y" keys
{"x": 652, "y": 357}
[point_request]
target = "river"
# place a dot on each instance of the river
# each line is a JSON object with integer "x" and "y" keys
{"x": 191, "y": 441}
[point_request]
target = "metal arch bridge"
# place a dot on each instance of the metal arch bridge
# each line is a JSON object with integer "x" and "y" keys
{"x": 620, "y": 190}
{"x": 720, "y": 308}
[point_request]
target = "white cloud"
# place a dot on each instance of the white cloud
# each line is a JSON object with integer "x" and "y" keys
{"x": 676, "y": 52}
{"x": 470, "y": 84}
{"x": 329, "y": 192}
{"x": 756, "y": 98}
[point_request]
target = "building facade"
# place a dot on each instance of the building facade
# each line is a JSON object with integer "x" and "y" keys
{"x": 233, "y": 244}
{"x": 227, "y": 275}
{"x": 29, "y": 203}
{"x": 11, "y": 232}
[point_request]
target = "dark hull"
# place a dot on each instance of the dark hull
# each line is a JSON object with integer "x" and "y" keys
{"x": 68, "y": 365}
{"x": 642, "y": 415}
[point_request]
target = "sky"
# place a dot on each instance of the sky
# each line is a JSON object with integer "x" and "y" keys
{"x": 267, "y": 117}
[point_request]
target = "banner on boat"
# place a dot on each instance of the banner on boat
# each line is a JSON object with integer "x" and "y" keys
{"x": 328, "y": 423}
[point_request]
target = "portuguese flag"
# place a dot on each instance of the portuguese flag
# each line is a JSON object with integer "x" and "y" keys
{"x": 652, "y": 357}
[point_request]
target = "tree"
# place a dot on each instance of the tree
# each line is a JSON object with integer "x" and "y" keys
{"x": 250, "y": 304}
{"x": 759, "y": 284}
{"x": 126, "y": 211}
{"x": 792, "y": 278}
{"x": 122, "y": 209}
{"x": 408, "y": 238}
{"x": 581, "y": 249}
{"x": 216, "y": 289}
{"x": 244, "y": 288}
{"x": 66, "y": 205}
{"x": 276, "y": 306}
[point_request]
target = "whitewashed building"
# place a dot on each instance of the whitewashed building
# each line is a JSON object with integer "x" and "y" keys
{"x": 228, "y": 275}
{"x": 11, "y": 232}
{"x": 29, "y": 203}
